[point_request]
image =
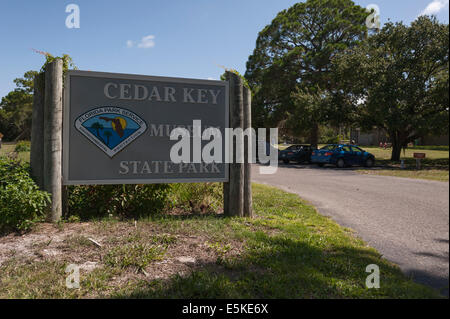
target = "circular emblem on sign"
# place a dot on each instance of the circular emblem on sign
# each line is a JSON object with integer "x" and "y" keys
{"x": 110, "y": 128}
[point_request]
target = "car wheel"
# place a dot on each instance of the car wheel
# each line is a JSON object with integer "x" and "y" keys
{"x": 321, "y": 164}
{"x": 286, "y": 161}
{"x": 340, "y": 163}
{"x": 369, "y": 162}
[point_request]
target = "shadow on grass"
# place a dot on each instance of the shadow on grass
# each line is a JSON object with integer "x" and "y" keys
{"x": 280, "y": 267}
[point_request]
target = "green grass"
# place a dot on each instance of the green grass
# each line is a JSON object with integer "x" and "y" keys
{"x": 137, "y": 256}
{"x": 434, "y": 167}
{"x": 8, "y": 148}
{"x": 287, "y": 251}
{"x": 431, "y": 147}
{"x": 385, "y": 154}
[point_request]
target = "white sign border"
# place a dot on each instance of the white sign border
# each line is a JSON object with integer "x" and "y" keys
{"x": 123, "y": 76}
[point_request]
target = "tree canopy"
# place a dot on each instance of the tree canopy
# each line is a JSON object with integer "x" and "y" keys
{"x": 16, "y": 108}
{"x": 290, "y": 68}
{"x": 398, "y": 79}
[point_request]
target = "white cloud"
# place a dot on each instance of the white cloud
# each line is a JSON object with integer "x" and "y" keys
{"x": 210, "y": 78}
{"x": 435, "y": 7}
{"x": 146, "y": 42}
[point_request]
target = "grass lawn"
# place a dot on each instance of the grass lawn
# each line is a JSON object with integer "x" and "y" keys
{"x": 8, "y": 148}
{"x": 434, "y": 167}
{"x": 287, "y": 251}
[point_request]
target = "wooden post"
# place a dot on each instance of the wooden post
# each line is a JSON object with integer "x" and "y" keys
{"x": 37, "y": 131}
{"x": 248, "y": 145}
{"x": 53, "y": 137}
{"x": 236, "y": 194}
{"x": 226, "y": 185}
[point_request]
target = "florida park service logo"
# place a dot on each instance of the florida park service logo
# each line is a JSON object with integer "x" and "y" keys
{"x": 110, "y": 128}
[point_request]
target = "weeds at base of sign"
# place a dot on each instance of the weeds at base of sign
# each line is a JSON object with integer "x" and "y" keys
{"x": 137, "y": 201}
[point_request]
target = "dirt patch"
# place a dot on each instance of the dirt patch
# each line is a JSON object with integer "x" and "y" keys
{"x": 87, "y": 244}
{"x": 42, "y": 243}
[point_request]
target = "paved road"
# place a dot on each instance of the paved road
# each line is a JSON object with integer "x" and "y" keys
{"x": 406, "y": 220}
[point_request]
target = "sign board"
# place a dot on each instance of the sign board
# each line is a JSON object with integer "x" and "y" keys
{"x": 419, "y": 155}
{"x": 117, "y": 127}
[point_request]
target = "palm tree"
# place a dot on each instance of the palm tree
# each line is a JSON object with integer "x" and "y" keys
{"x": 97, "y": 127}
{"x": 108, "y": 134}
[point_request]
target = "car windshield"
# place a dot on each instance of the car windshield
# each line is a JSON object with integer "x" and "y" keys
{"x": 329, "y": 148}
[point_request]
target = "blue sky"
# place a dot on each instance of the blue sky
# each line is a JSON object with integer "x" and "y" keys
{"x": 179, "y": 38}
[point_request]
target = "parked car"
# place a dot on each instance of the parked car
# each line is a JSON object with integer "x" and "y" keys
{"x": 268, "y": 149}
{"x": 342, "y": 155}
{"x": 296, "y": 153}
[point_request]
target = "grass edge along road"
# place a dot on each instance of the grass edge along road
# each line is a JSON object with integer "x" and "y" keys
{"x": 287, "y": 251}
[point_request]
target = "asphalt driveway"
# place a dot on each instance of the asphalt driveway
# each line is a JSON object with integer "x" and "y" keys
{"x": 407, "y": 220}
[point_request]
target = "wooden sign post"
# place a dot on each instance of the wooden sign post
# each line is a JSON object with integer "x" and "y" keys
{"x": 53, "y": 137}
{"x": 46, "y": 135}
{"x": 248, "y": 202}
{"x": 37, "y": 131}
{"x": 419, "y": 157}
{"x": 232, "y": 108}
{"x": 237, "y": 193}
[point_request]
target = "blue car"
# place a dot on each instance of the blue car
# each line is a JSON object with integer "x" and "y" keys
{"x": 342, "y": 155}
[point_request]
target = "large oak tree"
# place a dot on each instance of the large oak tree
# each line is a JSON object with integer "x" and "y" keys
{"x": 400, "y": 78}
{"x": 290, "y": 69}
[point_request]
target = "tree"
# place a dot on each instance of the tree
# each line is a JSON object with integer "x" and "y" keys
{"x": 16, "y": 108}
{"x": 97, "y": 127}
{"x": 398, "y": 80}
{"x": 108, "y": 135}
{"x": 289, "y": 71}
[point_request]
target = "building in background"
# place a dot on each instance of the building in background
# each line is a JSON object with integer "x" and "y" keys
{"x": 377, "y": 136}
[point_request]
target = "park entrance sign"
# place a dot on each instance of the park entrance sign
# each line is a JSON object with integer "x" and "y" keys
{"x": 117, "y": 127}
{"x": 105, "y": 128}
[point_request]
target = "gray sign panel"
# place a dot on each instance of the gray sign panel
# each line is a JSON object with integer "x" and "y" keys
{"x": 117, "y": 127}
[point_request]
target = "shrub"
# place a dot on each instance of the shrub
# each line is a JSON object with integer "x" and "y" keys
{"x": 22, "y": 204}
{"x": 22, "y": 146}
{"x": 124, "y": 201}
{"x": 135, "y": 201}
{"x": 333, "y": 140}
{"x": 196, "y": 196}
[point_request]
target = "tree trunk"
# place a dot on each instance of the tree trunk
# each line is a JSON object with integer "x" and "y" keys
{"x": 314, "y": 135}
{"x": 396, "y": 151}
{"x": 396, "y": 146}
